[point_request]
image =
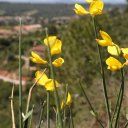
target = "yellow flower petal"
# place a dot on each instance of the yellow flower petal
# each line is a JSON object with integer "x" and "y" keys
{"x": 54, "y": 44}
{"x": 112, "y": 68}
{"x": 114, "y": 50}
{"x": 89, "y": 1}
{"x": 125, "y": 56}
{"x": 56, "y": 47}
{"x": 49, "y": 85}
{"x": 58, "y": 62}
{"x": 126, "y": 63}
{"x": 96, "y": 7}
{"x": 125, "y": 52}
{"x": 41, "y": 78}
{"x": 51, "y": 40}
{"x": 37, "y": 59}
{"x": 113, "y": 64}
{"x": 105, "y": 36}
{"x": 103, "y": 42}
{"x": 80, "y": 10}
{"x": 69, "y": 100}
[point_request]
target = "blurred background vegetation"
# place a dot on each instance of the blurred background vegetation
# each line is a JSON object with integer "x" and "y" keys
{"x": 81, "y": 61}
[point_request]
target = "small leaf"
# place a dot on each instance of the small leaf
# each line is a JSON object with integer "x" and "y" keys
{"x": 23, "y": 115}
{"x": 28, "y": 115}
{"x": 127, "y": 116}
{"x": 93, "y": 114}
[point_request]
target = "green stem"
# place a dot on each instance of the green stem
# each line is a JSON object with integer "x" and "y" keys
{"x": 66, "y": 94}
{"x": 20, "y": 77}
{"x": 121, "y": 98}
{"x": 69, "y": 121}
{"x": 41, "y": 114}
{"x": 30, "y": 120}
{"x": 117, "y": 103}
{"x": 71, "y": 117}
{"x": 64, "y": 122}
{"x": 12, "y": 107}
{"x": 55, "y": 89}
{"x": 90, "y": 105}
{"x": 56, "y": 118}
{"x": 48, "y": 109}
{"x": 119, "y": 95}
{"x": 103, "y": 76}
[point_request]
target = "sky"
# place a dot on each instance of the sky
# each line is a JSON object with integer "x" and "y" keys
{"x": 60, "y": 1}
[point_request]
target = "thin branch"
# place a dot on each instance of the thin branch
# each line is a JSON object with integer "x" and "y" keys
{"x": 30, "y": 94}
{"x": 41, "y": 113}
{"x": 90, "y": 105}
{"x": 126, "y": 124}
{"x": 12, "y": 108}
{"x": 20, "y": 76}
{"x": 30, "y": 121}
{"x": 31, "y": 89}
{"x": 71, "y": 117}
{"x": 103, "y": 75}
{"x": 121, "y": 98}
{"x": 64, "y": 111}
{"x": 48, "y": 109}
{"x": 117, "y": 104}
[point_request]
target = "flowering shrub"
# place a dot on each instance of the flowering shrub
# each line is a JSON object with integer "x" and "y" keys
{"x": 117, "y": 60}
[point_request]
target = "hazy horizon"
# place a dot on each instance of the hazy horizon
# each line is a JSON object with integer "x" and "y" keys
{"x": 59, "y": 1}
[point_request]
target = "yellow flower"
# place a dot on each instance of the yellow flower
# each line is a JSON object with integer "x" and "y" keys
{"x": 50, "y": 40}
{"x": 105, "y": 36}
{"x": 106, "y": 39}
{"x": 103, "y": 42}
{"x": 114, "y": 50}
{"x": 49, "y": 85}
{"x": 43, "y": 80}
{"x": 56, "y": 47}
{"x": 95, "y": 8}
{"x": 37, "y": 59}
{"x": 54, "y": 44}
{"x": 125, "y": 52}
{"x": 80, "y": 10}
{"x": 113, "y": 64}
{"x": 58, "y": 62}
{"x": 68, "y": 101}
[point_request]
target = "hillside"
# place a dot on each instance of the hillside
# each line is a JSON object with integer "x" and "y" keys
{"x": 41, "y": 10}
{"x": 81, "y": 63}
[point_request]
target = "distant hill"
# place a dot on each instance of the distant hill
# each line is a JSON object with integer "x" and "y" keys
{"x": 42, "y": 10}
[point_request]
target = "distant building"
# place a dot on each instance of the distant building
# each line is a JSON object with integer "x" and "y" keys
{"x": 12, "y": 77}
{"x": 14, "y": 20}
{"x": 6, "y": 33}
{"x": 29, "y": 28}
{"x": 60, "y": 20}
